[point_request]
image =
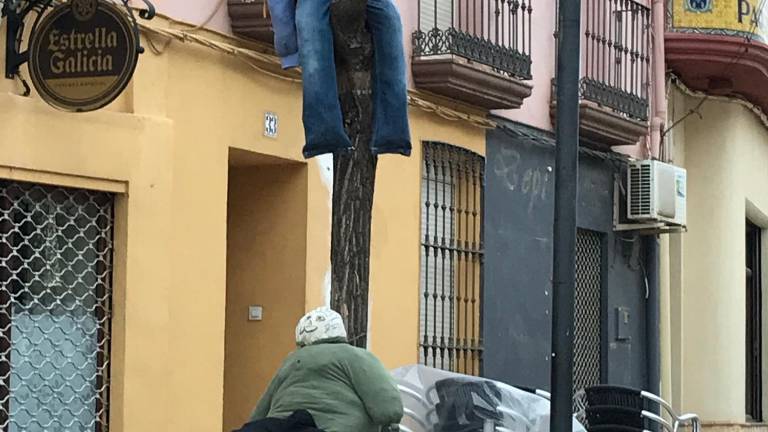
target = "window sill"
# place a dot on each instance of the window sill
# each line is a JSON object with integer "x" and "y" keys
{"x": 460, "y": 79}
{"x": 603, "y": 128}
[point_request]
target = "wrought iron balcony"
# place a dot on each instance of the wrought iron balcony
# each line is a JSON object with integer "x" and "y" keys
{"x": 616, "y": 71}
{"x": 476, "y": 51}
{"x": 617, "y": 56}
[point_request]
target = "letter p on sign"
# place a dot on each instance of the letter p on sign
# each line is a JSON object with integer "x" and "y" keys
{"x": 745, "y": 10}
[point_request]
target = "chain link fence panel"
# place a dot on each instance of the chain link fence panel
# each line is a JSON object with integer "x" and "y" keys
{"x": 587, "y": 310}
{"x": 55, "y": 292}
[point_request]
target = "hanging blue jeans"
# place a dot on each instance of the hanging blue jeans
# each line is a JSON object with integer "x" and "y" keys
{"x": 323, "y": 124}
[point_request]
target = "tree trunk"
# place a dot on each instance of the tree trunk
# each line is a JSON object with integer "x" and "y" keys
{"x": 354, "y": 173}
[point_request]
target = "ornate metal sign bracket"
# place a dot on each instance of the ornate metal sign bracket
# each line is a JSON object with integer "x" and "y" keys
{"x": 16, "y": 13}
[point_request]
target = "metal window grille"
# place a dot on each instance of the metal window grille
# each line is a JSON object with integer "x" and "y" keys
{"x": 496, "y": 33}
{"x": 616, "y": 57}
{"x": 55, "y": 293}
{"x": 451, "y": 259}
{"x": 588, "y": 298}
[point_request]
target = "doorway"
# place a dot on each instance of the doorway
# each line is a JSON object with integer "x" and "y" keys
{"x": 266, "y": 272}
{"x": 588, "y": 306}
{"x": 754, "y": 324}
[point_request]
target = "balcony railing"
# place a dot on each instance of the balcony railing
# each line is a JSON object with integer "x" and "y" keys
{"x": 496, "y": 33}
{"x": 615, "y": 72}
{"x": 616, "y": 60}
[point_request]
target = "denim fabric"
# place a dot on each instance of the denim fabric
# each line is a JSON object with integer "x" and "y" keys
{"x": 391, "y": 133}
{"x": 283, "y": 13}
{"x": 323, "y": 124}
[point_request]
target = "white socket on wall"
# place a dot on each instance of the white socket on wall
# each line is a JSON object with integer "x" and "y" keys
{"x": 255, "y": 313}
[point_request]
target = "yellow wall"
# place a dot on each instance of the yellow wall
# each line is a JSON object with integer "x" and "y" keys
{"x": 396, "y": 237}
{"x": 726, "y": 154}
{"x": 266, "y": 240}
{"x": 394, "y": 279}
{"x": 123, "y": 153}
{"x": 166, "y": 148}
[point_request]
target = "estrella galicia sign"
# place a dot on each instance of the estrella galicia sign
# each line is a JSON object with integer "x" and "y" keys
{"x": 83, "y": 55}
{"x": 699, "y": 6}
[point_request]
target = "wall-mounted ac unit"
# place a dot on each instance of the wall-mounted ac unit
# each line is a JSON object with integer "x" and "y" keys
{"x": 657, "y": 193}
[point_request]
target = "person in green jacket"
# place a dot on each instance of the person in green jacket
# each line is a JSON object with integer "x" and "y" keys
{"x": 346, "y": 389}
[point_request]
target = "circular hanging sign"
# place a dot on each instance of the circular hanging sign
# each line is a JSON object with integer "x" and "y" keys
{"x": 83, "y": 54}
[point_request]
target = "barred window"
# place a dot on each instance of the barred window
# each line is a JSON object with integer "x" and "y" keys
{"x": 451, "y": 289}
{"x": 55, "y": 293}
{"x": 587, "y": 310}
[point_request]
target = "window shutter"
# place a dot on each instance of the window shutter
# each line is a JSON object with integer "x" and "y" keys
{"x": 444, "y": 14}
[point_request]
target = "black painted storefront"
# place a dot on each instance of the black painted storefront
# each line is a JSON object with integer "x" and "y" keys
{"x": 519, "y": 206}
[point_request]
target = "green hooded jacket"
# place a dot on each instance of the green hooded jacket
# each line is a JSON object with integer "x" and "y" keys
{"x": 346, "y": 389}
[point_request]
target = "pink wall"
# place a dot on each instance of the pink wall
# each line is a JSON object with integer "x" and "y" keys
{"x": 194, "y": 11}
{"x": 535, "y": 110}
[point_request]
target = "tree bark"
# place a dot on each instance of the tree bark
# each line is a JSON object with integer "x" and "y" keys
{"x": 354, "y": 173}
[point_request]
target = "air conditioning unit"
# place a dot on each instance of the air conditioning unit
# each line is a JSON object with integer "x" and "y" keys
{"x": 657, "y": 193}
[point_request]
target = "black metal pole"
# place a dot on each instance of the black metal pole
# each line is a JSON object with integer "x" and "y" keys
{"x": 653, "y": 321}
{"x": 566, "y": 199}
